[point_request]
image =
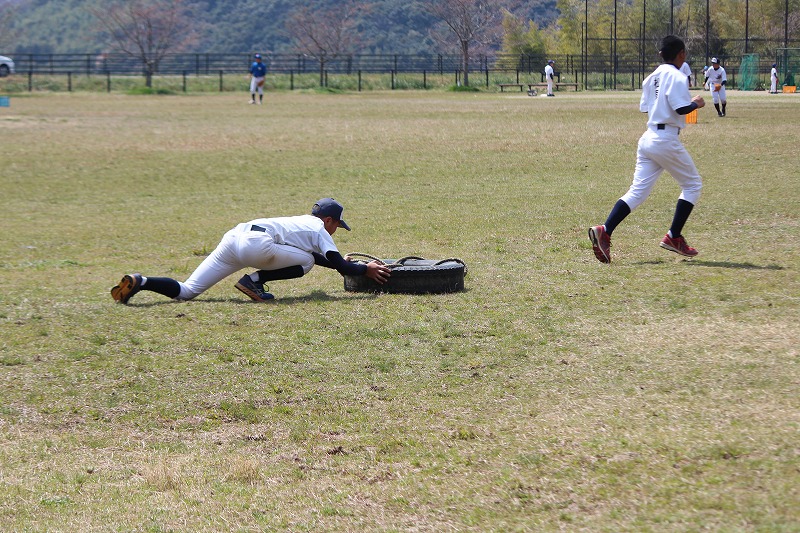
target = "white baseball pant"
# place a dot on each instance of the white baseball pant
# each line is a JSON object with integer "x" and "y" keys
{"x": 661, "y": 150}
{"x": 242, "y": 248}
{"x": 718, "y": 96}
{"x": 254, "y": 86}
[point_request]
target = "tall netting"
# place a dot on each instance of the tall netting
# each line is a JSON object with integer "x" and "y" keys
{"x": 748, "y": 73}
{"x": 788, "y": 60}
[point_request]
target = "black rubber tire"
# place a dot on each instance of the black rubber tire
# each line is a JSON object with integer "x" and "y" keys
{"x": 414, "y": 276}
{"x": 4, "y": 71}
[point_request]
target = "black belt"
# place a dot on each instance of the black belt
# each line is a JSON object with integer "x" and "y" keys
{"x": 257, "y": 228}
{"x": 661, "y": 126}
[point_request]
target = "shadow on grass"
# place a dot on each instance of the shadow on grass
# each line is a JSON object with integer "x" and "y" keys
{"x": 714, "y": 264}
{"x": 314, "y": 296}
{"x": 728, "y": 264}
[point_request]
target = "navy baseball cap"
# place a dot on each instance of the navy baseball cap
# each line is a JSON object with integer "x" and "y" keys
{"x": 551, "y": 61}
{"x": 714, "y": 60}
{"x": 328, "y": 207}
{"x": 257, "y": 56}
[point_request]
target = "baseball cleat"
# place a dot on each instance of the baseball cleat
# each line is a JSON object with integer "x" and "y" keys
{"x": 256, "y": 291}
{"x": 601, "y": 243}
{"x": 677, "y": 245}
{"x": 129, "y": 285}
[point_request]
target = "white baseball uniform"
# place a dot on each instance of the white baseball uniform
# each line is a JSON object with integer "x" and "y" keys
{"x": 663, "y": 92}
{"x": 686, "y": 70}
{"x": 548, "y": 75}
{"x": 773, "y": 77}
{"x": 716, "y": 75}
{"x": 265, "y": 244}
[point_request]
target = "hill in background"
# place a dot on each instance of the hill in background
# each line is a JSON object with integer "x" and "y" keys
{"x": 390, "y": 27}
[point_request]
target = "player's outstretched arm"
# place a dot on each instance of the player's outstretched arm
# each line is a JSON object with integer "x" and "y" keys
{"x": 378, "y": 271}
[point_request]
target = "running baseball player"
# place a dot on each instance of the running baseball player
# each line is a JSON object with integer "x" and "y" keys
{"x": 773, "y": 79}
{"x": 666, "y": 100}
{"x": 716, "y": 80}
{"x": 258, "y": 72}
{"x": 548, "y": 74}
{"x": 281, "y": 248}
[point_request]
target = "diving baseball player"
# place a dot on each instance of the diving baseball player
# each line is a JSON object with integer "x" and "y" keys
{"x": 773, "y": 79}
{"x": 281, "y": 248}
{"x": 666, "y": 100}
{"x": 548, "y": 74}
{"x": 258, "y": 72}
{"x": 716, "y": 80}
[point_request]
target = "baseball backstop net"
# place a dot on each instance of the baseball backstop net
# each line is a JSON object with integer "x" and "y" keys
{"x": 788, "y": 60}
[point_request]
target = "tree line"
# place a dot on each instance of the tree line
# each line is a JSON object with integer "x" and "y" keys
{"x": 326, "y": 30}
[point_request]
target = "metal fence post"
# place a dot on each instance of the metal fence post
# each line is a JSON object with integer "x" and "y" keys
{"x": 359, "y": 80}
{"x": 424, "y": 79}
{"x": 30, "y": 81}
{"x": 69, "y": 82}
{"x": 184, "y": 81}
{"x": 291, "y": 80}
{"x": 108, "y": 81}
{"x": 220, "y": 81}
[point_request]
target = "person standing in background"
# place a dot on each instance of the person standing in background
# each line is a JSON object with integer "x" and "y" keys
{"x": 258, "y": 72}
{"x": 686, "y": 69}
{"x": 773, "y": 79}
{"x": 548, "y": 74}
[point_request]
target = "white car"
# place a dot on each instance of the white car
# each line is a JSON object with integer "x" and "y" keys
{"x": 6, "y": 66}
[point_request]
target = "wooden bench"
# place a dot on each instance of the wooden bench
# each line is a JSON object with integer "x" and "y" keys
{"x": 504, "y": 85}
{"x": 556, "y": 84}
{"x": 573, "y": 85}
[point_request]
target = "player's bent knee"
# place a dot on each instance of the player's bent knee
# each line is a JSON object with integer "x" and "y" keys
{"x": 187, "y": 294}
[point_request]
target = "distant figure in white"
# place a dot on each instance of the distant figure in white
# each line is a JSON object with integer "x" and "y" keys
{"x": 548, "y": 74}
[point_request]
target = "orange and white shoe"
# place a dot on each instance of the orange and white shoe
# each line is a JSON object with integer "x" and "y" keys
{"x": 129, "y": 285}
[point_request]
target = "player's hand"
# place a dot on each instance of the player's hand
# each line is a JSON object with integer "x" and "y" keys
{"x": 377, "y": 271}
{"x": 699, "y": 101}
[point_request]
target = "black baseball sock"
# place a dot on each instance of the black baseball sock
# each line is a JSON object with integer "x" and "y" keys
{"x": 282, "y": 273}
{"x": 617, "y": 215}
{"x": 166, "y": 286}
{"x": 724, "y": 105}
{"x": 682, "y": 212}
{"x": 716, "y": 106}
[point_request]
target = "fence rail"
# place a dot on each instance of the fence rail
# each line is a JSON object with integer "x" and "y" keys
{"x": 590, "y": 72}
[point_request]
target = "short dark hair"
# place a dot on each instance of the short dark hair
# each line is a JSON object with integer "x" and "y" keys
{"x": 671, "y": 46}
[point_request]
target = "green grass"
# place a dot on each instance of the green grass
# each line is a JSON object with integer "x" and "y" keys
{"x": 555, "y": 393}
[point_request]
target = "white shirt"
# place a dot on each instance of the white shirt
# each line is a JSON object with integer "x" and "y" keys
{"x": 774, "y": 73}
{"x": 548, "y": 72}
{"x": 664, "y": 91}
{"x": 305, "y": 232}
{"x": 686, "y": 69}
{"x": 716, "y": 75}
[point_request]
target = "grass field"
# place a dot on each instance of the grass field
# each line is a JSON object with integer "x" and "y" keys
{"x": 555, "y": 393}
